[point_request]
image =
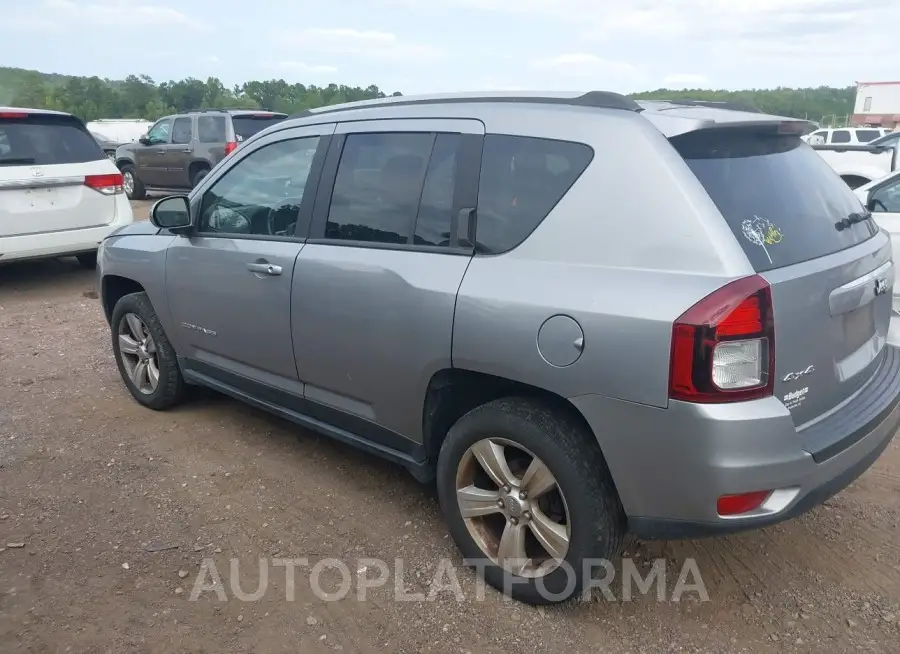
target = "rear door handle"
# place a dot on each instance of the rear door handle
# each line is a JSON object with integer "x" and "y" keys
{"x": 160, "y": 152}
{"x": 264, "y": 268}
{"x": 187, "y": 151}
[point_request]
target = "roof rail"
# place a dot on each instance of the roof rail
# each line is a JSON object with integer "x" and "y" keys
{"x": 712, "y": 104}
{"x": 201, "y": 111}
{"x": 596, "y": 99}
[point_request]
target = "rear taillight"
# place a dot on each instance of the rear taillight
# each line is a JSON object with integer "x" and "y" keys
{"x": 109, "y": 184}
{"x": 230, "y": 147}
{"x": 723, "y": 348}
{"x": 13, "y": 114}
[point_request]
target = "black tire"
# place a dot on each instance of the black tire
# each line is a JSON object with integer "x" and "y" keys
{"x": 171, "y": 389}
{"x": 87, "y": 259}
{"x": 572, "y": 455}
{"x": 198, "y": 176}
{"x": 138, "y": 192}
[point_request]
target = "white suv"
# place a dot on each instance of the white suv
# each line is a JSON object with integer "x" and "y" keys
{"x": 59, "y": 194}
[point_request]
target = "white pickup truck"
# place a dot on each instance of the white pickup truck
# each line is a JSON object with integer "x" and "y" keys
{"x": 861, "y": 164}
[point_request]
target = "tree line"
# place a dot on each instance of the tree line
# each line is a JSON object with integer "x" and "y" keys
{"x": 139, "y": 96}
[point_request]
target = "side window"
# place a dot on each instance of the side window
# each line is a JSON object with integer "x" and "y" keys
{"x": 378, "y": 186}
{"x": 261, "y": 194}
{"x": 840, "y": 136}
{"x": 211, "y": 129}
{"x": 522, "y": 179}
{"x": 436, "y": 208}
{"x": 159, "y": 133}
{"x": 887, "y": 198}
{"x": 818, "y": 138}
{"x": 182, "y": 131}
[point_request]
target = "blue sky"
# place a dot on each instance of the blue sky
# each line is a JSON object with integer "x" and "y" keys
{"x": 446, "y": 45}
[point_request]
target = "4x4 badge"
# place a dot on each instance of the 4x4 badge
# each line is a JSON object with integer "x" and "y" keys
{"x": 881, "y": 286}
{"x": 794, "y": 376}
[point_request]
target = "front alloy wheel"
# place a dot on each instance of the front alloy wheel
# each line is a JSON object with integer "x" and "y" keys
{"x": 138, "y": 354}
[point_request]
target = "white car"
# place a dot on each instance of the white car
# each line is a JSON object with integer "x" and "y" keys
{"x": 845, "y": 135}
{"x": 59, "y": 194}
{"x": 882, "y": 198}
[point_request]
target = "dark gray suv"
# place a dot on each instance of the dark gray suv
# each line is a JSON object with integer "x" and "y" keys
{"x": 582, "y": 315}
{"x": 180, "y": 150}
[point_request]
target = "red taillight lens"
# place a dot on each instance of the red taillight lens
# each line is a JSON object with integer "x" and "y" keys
{"x": 13, "y": 114}
{"x": 110, "y": 184}
{"x": 230, "y": 147}
{"x": 723, "y": 348}
{"x": 743, "y": 503}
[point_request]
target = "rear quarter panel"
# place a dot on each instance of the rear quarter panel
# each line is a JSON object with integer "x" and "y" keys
{"x": 632, "y": 245}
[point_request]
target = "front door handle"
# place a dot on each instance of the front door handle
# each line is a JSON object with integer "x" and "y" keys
{"x": 160, "y": 152}
{"x": 187, "y": 151}
{"x": 264, "y": 268}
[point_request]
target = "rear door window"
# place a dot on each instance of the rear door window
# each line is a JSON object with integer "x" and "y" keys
{"x": 44, "y": 139}
{"x": 246, "y": 125}
{"x": 778, "y": 196}
{"x": 522, "y": 179}
{"x": 182, "y": 132}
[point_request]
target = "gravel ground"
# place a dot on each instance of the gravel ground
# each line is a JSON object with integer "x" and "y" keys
{"x": 108, "y": 511}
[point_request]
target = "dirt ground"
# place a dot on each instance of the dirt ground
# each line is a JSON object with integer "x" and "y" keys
{"x": 107, "y": 511}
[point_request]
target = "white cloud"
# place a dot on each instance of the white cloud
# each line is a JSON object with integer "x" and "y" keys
{"x": 686, "y": 80}
{"x": 371, "y": 44}
{"x": 301, "y": 67}
{"x": 120, "y": 14}
{"x": 582, "y": 64}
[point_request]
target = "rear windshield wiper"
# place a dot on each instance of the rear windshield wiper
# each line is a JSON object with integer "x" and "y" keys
{"x": 17, "y": 161}
{"x": 852, "y": 219}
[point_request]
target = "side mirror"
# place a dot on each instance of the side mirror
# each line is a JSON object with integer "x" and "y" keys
{"x": 144, "y": 140}
{"x": 173, "y": 213}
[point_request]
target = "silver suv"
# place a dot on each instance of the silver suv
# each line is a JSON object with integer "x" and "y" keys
{"x": 580, "y": 315}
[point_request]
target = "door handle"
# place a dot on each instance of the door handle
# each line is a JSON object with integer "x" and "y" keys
{"x": 187, "y": 151}
{"x": 264, "y": 268}
{"x": 160, "y": 152}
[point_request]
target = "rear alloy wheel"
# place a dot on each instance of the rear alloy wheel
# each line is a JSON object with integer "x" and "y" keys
{"x": 528, "y": 499}
{"x": 498, "y": 479}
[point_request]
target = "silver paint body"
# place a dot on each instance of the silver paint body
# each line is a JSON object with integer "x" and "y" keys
{"x": 633, "y": 244}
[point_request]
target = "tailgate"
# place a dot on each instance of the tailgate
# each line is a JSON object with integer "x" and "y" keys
{"x": 45, "y": 160}
{"x": 806, "y": 233}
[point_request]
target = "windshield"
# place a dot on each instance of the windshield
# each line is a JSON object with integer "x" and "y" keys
{"x": 41, "y": 139}
{"x": 780, "y": 198}
{"x": 247, "y": 125}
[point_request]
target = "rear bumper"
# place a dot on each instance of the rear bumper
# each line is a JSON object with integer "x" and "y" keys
{"x": 671, "y": 465}
{"x": 63, "y": 242}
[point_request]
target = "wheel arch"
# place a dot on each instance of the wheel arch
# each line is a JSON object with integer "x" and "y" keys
{"x": 113, "y": 288}
{"x": 453, "y": 392}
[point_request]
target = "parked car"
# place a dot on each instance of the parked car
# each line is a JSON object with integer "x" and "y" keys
{"x": 180, "y": 150}
{"x": 107, "y": 145}
{"x": 121, "y": 130}
{"x": 845, "y": 135}
{"x": 882, "y": 198}
{"x": 860, "y": 164}
{"x": 59, "y": 194}
{"x": 482, "y": 289}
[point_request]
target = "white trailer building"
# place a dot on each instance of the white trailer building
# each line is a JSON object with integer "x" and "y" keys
{"x": 877, "y": 103}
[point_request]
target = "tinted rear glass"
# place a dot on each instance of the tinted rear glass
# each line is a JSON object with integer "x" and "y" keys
{"x": 40, "y": 140}
{"x": 522, "y": 179}
{"x": 777, "y": 194}
{"x": 866, "y": 135}
{"x": 247, "y": 126}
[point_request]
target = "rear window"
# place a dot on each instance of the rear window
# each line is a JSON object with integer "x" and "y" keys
{"x": 840, "y": 136}
{"x": 522, "y": 179}
{"x": 866, "y": 135}
{"x": 778, "y": 195}
{"x": 247, "y": 125}
{"x": 39, "y": 140}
